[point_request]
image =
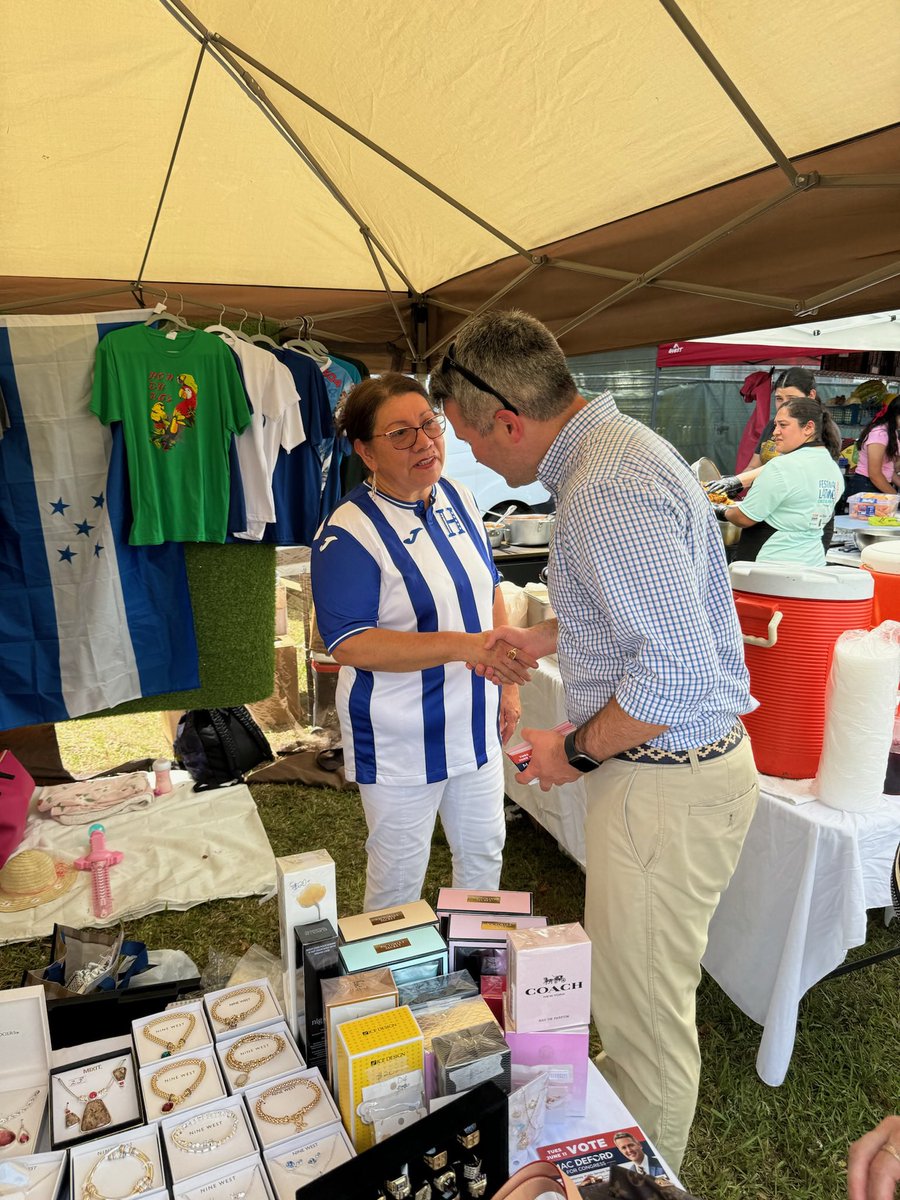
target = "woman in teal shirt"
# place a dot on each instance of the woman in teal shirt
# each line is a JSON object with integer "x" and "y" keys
{"x": 795, "y": 493}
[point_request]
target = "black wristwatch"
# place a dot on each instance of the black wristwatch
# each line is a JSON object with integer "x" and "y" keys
{"x": 581, "y": 762}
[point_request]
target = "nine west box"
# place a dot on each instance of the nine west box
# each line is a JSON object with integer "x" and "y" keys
{"x": 347, "y": 997}
{"x": 383, "y": 921}
{"x": 316, "y": 953}
{"x": 306, "y": 893}
{"x": 549, "y": 977}
{"x": 413, "y": 954}
{"x": 371, "y": 1051}
{"x": 477, "y": 941}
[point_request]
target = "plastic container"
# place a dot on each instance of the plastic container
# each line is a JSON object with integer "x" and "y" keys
{"x": 791, "y": 617}
{"x": 872, "y": 504}
{"x": 162, "y": 778}
{"x": 325, "y": 676}
{"x": 883, "y": 561}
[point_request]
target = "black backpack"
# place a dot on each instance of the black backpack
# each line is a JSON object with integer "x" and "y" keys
{"x": 217, "y": 746}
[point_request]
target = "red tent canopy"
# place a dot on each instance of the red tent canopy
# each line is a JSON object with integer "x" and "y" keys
{"x": 708, "y": 354}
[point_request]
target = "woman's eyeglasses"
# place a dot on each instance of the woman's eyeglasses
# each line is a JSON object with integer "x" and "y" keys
{"x": 406, "y": 438}
{"x": 449, "y": 363}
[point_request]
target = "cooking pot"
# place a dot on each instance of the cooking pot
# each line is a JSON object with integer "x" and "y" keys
{"x": 530, "y": 529}
{"x": 705, "y": 470}
{"x": 496, "y": 533}
{"x": 873, "y": 534}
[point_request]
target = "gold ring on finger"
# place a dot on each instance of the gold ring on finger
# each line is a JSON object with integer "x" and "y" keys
{"x": 512, "y": 653}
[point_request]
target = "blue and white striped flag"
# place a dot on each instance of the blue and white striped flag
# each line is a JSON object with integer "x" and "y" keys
{"x": 86, "y": 621}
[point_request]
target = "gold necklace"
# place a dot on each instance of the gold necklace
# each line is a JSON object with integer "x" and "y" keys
{"x": 95, "y": 1115}
{"x": 89, "y": 1190}
{"x": 231, "y": 1021}
{"x": 170, "y": 1047}
{"x": 247, "y": 1065}
{"x": 170, "y": 1099}
{"x": 294, "y": 1118}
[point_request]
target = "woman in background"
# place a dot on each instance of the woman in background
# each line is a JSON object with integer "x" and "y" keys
{"x": 879, "y": 449}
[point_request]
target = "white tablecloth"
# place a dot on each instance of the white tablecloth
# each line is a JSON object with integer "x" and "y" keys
{"x": 795, "y": 906}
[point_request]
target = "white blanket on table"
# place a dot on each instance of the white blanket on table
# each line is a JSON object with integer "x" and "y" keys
{"x": 183, "y": 849}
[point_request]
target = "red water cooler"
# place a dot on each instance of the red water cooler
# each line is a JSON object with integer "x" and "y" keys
{"x": 791, "y": 616}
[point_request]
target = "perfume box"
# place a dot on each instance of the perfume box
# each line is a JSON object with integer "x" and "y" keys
{"x": 316, "y": 956}
{"x": 442, "y": 989}
{"x": 348, "y": 997}
{"x": 24, "y": 1064}
{"x": 549, "y": 977}
{"x": 307, "y": 1157}
{"x": 114, "y": 1164}
{"x": 371, "y": 1051}
{"x": 412, "y": 954}
{"x": 560, "y": 1053}
{"x": 453, "y": 900}
{"x": 245, "y": 1178}
{"x": 493, "y": 989}
{"x": 299, "y": 1104}
{"x": 383, "y": 921}
{"x": 467, "y": 1057}
{"x": 178, "y": 1084}
{"x": 477, "y": 941}
{"x": 94, "y": 1097}
{"x": 178, "y": 1030}
{"x": 245, "y": 1007}
{"x": 207, "y": 1137}
{"x": 250, "y": 1058}
{"x": 441, "y": 1018}
{"x": 306, "y": 893}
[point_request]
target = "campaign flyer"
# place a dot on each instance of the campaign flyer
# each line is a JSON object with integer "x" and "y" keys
{"x": 588, "y": 1160}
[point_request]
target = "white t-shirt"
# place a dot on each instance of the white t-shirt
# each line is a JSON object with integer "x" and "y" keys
{"x": 383, "y": 563}
{"x": 795, "y": 493}
{"x": 276, "y": 422}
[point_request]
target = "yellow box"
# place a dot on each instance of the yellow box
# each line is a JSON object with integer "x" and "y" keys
{"x": 371, "y": 1050}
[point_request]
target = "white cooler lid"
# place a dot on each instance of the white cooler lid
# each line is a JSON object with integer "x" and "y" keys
{"x": 882, "y": 556}
{"x": 802, "y": 582}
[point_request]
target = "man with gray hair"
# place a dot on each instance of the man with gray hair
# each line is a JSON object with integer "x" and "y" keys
{"x": 652, "y": 664}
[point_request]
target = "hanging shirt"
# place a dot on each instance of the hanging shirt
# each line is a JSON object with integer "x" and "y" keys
{"x": 276, "y": 424}
{"x": 179, "y": 400}
{"x": 384, "y": 563}
{"x": 756, "y": 390}
{"x": 796, "y": 495}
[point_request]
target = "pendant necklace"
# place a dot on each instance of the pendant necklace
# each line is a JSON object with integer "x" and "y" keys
{"x": 95, "y": 1115}
{"x": 169, "y": 1047}
{"x": 170, "y": 1099}
{"x": 7, "y": 1136}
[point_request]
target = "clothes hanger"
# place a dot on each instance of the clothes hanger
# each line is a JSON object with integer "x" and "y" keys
{"x": 239, "y": 332}
{"x": 303, "y": 345}
{"x": 262, "y": 339}
{"x": 160, "y": 313}
{"x": 219, "y": 327}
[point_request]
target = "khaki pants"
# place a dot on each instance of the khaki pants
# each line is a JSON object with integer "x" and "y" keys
{"x": 662, "y": 843}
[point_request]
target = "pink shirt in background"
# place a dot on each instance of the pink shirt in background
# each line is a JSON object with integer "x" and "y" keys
{"x": 878, "y": 437}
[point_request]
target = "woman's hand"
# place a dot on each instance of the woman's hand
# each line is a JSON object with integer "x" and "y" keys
{"x": 501, "y": 662}
{"x": 873, "y": 1165}
{"x": 510, "y": 711}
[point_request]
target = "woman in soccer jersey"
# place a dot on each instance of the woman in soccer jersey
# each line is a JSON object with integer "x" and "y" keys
{"x": 793, "y": 497}
{"x": 405, "y": 587}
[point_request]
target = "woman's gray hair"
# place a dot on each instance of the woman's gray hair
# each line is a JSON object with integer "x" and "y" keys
{"x": 518, "y": 357}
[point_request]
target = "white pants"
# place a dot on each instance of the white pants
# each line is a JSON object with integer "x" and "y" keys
{"x": 401, "y": 823}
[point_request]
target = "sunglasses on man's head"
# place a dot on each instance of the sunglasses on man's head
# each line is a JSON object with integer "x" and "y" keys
{"x": 450, "y": 364}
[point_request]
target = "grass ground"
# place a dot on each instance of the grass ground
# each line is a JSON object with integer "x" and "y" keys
{"x": 749, "y": 1141}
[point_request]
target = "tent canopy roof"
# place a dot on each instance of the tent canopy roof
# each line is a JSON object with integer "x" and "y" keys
{"x": 227, "y": 150}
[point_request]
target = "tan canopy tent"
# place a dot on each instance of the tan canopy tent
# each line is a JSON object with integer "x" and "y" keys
{"x": 631, "y": 172}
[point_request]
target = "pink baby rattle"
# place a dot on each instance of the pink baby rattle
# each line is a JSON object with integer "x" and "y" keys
{"x": 98, "y": 861}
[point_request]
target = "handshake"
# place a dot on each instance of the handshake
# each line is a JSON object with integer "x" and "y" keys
{"x": 506, "y": 654}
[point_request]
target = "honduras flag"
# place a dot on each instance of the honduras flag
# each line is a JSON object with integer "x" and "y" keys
{"x": 86, "y": 621}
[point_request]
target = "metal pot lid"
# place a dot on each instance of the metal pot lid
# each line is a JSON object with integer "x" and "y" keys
{"x": 706, "y": 470}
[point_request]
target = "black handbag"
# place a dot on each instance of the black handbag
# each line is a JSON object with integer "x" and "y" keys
{"x": 217, "y": 746}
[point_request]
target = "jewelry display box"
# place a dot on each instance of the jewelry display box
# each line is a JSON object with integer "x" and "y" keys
{"x": 251, "y": 1058}
{"x": 246, "y": 1007}
{"x": 182, "y": 1083}
{"x": 93, "y": 1098}
{"x": 35, "y": 1176}
{"x": 173, "y": 1032}
{"x": 299, "y": 1104}
{"x": 207, "y": 1138}
{"x": 246, "y": 1179}
{"x": 304, "y": 1159}
{"x": 117, "y": 1166}
{"x": 24, "y": 1063}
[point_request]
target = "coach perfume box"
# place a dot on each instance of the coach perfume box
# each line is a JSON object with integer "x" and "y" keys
{"x": 549, "y": 979}
{"x": 347, "y": 997}
{"x": 282, "y": 1110}
{"x": 207, "y": 1137}
{"x": 316, "y": 957}
{"x": 110, "y": 1165}
{"x": 477, "y": 941}
{"x": 383, "y": 921}
{"x": 561, "y": 1054}
{"x": 411, "y": 954}
{"x": 24, "y": 1063}
{"x": 306, "y": 892}
{"x": 372, "y": 1052}
{"x": 307, "y": 1157}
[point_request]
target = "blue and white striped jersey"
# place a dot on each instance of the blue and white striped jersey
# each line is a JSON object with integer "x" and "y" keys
{"x": 384, "y": 563}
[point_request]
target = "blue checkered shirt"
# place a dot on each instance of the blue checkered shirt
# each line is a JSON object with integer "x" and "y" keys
{"x": 639, "y": 582}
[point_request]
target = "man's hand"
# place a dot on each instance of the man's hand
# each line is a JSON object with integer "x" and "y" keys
{"x": 522, "y": 645}
{"x": 502, "y": 662}
{"x": 510, "y": 711}
{"x": 549, "y": 765}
